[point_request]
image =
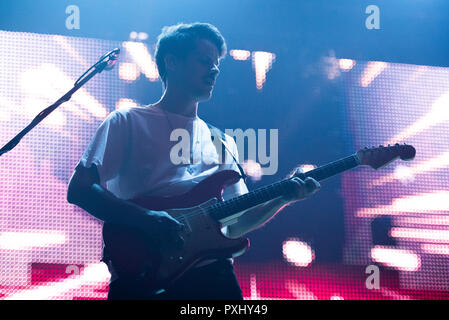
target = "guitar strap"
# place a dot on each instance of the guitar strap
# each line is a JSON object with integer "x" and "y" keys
{"x": 215, "y": 132}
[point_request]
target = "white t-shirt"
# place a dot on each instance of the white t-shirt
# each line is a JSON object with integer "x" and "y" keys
{"x": 131, "y": 150}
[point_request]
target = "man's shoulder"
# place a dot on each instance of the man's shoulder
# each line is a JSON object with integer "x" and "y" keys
{"x": 125, "y": 113}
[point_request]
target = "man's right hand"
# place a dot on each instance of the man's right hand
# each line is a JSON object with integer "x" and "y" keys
{"x": 86, "y": 192}
{"x": 160, "y": 225}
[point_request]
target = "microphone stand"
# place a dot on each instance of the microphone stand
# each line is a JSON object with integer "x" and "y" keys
{"x": 106, "y": 62}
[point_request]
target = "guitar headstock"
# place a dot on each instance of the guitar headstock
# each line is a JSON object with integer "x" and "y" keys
{"x": 377, "y": 157}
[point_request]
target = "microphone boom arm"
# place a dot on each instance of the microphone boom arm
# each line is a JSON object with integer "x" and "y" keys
{"x": 106, "y": 62}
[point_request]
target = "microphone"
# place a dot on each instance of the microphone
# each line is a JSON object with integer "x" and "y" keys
{"x": 112, "y": 58}
{"x": 106, "y": 62}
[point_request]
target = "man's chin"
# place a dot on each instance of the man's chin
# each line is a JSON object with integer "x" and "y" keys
{"x": 204, "y": 96}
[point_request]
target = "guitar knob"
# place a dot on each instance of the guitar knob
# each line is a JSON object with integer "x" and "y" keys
{"x": 180, "y": 259}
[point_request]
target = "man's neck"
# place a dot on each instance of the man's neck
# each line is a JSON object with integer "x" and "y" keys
{"x": 176, "y": 102}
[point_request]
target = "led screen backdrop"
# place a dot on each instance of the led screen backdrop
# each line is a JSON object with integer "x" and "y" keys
{"x": 38, "y": 228}
{"x": 399, "y": 216}
{"x": 50, "y": 249}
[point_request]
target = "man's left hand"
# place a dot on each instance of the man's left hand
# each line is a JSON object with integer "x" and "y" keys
{"x": 304, "y": 186}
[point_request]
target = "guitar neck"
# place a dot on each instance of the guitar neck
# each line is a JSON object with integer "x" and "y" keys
{"x": 228, "y": 208}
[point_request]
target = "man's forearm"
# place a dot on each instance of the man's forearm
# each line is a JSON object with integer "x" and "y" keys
{"x": 255, "y": 217}
{"x": 105, "y": 206}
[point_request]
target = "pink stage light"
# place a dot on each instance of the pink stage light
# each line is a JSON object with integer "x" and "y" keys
{"x": 428, "y": 235}
{"x": 372, "y": 70}
{"x": 438, "y": 113}
{"x": 93, "y": 276}
{"x": 346, "y": 64}
{"x": 128, "y": 71}
{"x": 297, "y": 252}
{"x": 142, "y": 57}
{"x": 125, "y": 103}
{"x": 405, "y": 260}
{"x": 253, "y": 169}
{"x": 435, "y": 248}
{"x": 428, "y": 203}
{"x": 31, "y": 239}
{"x": 46, "y": 83}
{"x": 432, "y": 220}
{"x": 240, "y": 54}
{"x": 262, "y": 62}
{"x": 408, "y": 173}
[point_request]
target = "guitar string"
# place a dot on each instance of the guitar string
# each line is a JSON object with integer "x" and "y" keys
{"x": 331, "y": 167}
{"x": 233, "y": 201}
{"x": 322, "y": 169}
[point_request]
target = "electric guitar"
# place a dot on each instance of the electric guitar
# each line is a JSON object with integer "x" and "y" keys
{"x": 136, "y": 254}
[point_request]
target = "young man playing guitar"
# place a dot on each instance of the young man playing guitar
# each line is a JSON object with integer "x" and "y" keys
{"x": 129, "y": 156}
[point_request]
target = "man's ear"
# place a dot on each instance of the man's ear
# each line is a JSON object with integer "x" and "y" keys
{"x": 170, "y": 62}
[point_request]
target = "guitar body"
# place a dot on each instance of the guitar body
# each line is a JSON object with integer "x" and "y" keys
{"x": 136, "y": 254}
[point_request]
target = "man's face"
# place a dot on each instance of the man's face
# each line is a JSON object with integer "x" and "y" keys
{"x": 196, "y": 73}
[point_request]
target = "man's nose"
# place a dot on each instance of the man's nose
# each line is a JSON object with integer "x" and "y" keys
{"x": 215, "y": 71}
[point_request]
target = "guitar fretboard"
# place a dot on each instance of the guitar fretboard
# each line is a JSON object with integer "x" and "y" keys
{"x": 225, "y": 209}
